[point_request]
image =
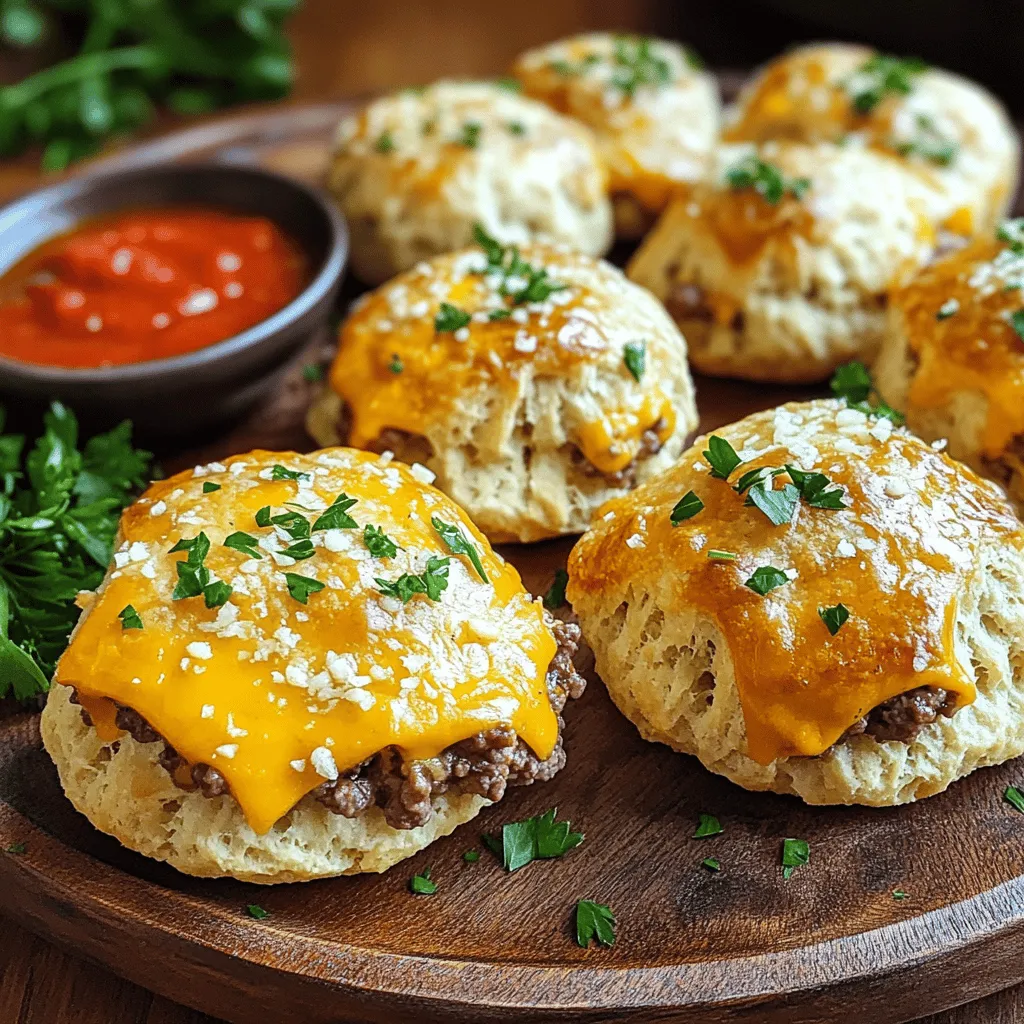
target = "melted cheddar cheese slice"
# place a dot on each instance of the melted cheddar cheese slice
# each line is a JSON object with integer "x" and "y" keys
{"x": 957, "y": 315}
{"x": 308, "y": 668}
{"x": 451, "y": 328}
{"x": 897, "y": 557}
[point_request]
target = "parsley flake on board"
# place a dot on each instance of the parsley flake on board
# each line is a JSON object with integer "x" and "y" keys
{"x": 900, "y": 894}
{"x": 129, "y": 618}
{"x": 834, "y": 617}
{"x": 471, "y": 856}
{"x": 284, "y": 473}
{"x": 1013, "y": 796}
{"x": 765, "y": 579}
{"x": 336, "y": 517}
{"x": 422, "y": 884}
{"x": 209, "y": 487}
{"x": 765, "y": 179}
{"x": 450, "y": 319}
{"x": 433, "y": 581}
{"x": 795, "y": 853}
{"x": 59, "y": 508}
{"x": 17, "y": 848}
{"x": 685, "y": 508}
{"x": 709, "y": 826}
{"x": 378, "y": 543}
{"x": 636, "y": 63}
{"x": 634, "y": 355}
{"x": 539, "y": 838}
{"x": 244, "y": 542}
{"x": 300, "y": 587}
{"x": 256, "y": 911}
{"x": 458, "y": 544}
{"x": 721, "y": 457}
{"x": 555, "y": 596}
{"x": 712, "y": 864}
{"x": 853, "y": 382}
{"x": 594, "y": 921}
{"x": 881, "y": 75}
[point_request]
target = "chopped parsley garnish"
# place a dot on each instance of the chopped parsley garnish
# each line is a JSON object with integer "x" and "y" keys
{"x": 880, "y": 75}
{"x": 216, "y": 593}
{"x": 17, "y": 848}
{"x": 471, "y": 856}
{"x": 594, "y": 921}
{"x": 59, "y": 508}
{"x": 516, "y": 127}
{"x": 337, "y": 517}
{"x": 507, "y": 262}
{"x": 853, "y": 382}
{"x": 555, "y": 596}
{"x": 765, "y": 179}
{"x": 433, "y": 581}
{"x": 256, "y": 911}
{"x": 711, "y": 863}
{"x": 765, "y": 579}
{"x": 450, "y": 318}
{"x": 1012, "y": 232}
{"x": 295, "y": 525}
{"x": 715, "y": 555}
{"x": 900, "y": 894}
{"x": 777, "y": 505}
{"x": 283, "y": 473}
{"x": 129, "y": 618}
{"x": 834, "y": 617}
{"x": 709, "y": 826}
{"x": 721, "y": 457}
{"x": 378, "y": 543}
{"x": 539, "y": 838}
{"x": 396, "y": 365}
{"x": 1017, "y": 322}
{"x": 637, "y": 64}
{"x": 509, "y": 84}
{"x": 299, "y": 550}
{"x": 685, "y": 508}
{"x": 193, "y": 576}
{"x": 570, "y": 69}
{"x": 634, "y": 355}
{"x": 1013, "y": 796}
{"x": 423, "y": 885}
{"x": 458, "y": 544}
{"x": 209, "y": 487}
{"x": 312, "y": 372}
{"x": 949, "y": 308}
{"x": 300, "y": 587}
{"x": 929, "y": 143}
{"x": 795, "y": 853}
{"x": 470, "y": 137}
{"x": 814, "y": 489}
{"x": 244, "y": 542}
{"x": 385, "y": 143}
{"x": 499, "y": 314}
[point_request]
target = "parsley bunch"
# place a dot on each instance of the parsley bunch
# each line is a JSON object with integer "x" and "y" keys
{"x": 133, "y": 55}
{"x": 59, "y": 509}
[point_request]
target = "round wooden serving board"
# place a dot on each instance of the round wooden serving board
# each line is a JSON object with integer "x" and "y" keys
{"x": 832, "y": 942}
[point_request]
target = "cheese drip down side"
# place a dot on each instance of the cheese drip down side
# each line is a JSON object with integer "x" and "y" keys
{"x": 957, "y": 318}
{"x": 896, "y": 558}
{"x": 395, "y": 369}
{"x": 278, "y": 695}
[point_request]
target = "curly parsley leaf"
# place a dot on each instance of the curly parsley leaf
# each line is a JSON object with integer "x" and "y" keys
{"x": 539, "y": 838}
{"x": 458, "y": 544}
{"x": 594, "y": 921}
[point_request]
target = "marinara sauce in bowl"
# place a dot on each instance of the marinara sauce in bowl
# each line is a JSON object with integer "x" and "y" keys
{"x": 172, "y": 295}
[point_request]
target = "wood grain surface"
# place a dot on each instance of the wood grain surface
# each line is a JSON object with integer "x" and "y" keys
{"x": 740, "y": 944}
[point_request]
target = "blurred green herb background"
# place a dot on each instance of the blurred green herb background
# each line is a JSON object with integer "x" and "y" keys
{"x": 132, "y": 57}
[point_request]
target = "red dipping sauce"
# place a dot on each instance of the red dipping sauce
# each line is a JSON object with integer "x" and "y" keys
{"x": 146, "y": 284}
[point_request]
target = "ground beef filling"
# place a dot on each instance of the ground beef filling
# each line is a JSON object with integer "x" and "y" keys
{"x": 902, "y": 717}
{"x": 482, "y": 765}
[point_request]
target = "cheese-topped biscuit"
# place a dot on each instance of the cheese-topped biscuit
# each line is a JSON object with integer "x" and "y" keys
{"x": 535, "y": 384}
{"x": 414, "y": 171}
{"x": 303, "y": 665}
{"x": 953, "y": 358}
{"x": 813, "y": 602}
{"x": 654, "y": 109}
{"x": 777, "y": 267}
{"x": 948, "y": 129}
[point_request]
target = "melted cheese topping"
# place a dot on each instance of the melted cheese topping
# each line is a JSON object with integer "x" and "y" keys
{"x": 956, "y": 315}
{"x": 395, "y": 370}
{"x": 897, "y": 558}
{"x": 656, "y": 139}
{"x": 278, "y": 695}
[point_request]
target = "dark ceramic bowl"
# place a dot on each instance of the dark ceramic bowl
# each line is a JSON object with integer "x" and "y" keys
{"x": 179, "y": 394}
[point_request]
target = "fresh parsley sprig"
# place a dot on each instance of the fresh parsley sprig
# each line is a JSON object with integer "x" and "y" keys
{"x": 458, "y": 544}
{"x": 433, "y": 582}
{"x": 852, "y": 381}
{"x": 512, "y": 268}
{"x": 764, "y": 178}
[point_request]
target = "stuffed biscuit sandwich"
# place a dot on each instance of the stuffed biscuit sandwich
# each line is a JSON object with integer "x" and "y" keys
{"x": 300, "y": 666}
